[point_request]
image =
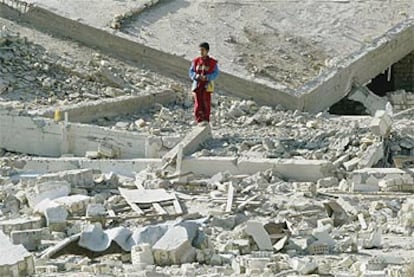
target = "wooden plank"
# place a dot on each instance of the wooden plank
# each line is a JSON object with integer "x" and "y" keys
{"x": 230, "y": 195}
{"x": 159, "y": 209}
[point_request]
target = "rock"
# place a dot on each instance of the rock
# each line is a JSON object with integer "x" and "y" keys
{"x": 30, "y": 239}
{"x": 75, "y": 177}
{"x": 47, "y": 190}
{"x": 15, "y": 260}
{"x": 372, "y": 155}
{"x": 95, "y": 210}
{"x": 142, "y": 255}
{"x": 257, "y": 231}
{"x": 381, "y": 124}
{"x": 304, "y": 266}
{"x": 76, "y": 204}
{"x": 174, "y": 247}
{"x": 328, "y": 182}
{"x": 56, "y": 217}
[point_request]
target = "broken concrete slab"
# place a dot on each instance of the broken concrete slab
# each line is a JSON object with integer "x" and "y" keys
{"x": 190, "y": 143}
{"x": 174, "y": 247}
{"x": 75, "y": 204}
{"x": 30, "y": 238}
{"x": 257, "y": 231}
{"x": 372, "y": 155}
{"x": 300, "y": 170}
{"x": 15, "y": 260}
{"x": 142, "y": 255}
{"x": 370, "y": 100}
{"x": 55, "y": 215}
{"x": 47, "y": 190}
{"x": 381, "y": 123}
{"x": 75, "y": 177}
{"x": 19, "y": 224}
{"x": 123, "y": 167}
{"x": 311, "y": 170}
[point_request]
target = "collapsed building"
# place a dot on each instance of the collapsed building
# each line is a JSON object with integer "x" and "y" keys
{"x": 103, "y": 173}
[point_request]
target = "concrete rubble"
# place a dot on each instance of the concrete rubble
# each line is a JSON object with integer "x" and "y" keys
{"x": 261, "y": 191}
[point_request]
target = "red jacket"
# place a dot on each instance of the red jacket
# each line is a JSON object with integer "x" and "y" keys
{"x": 203, "y": 67}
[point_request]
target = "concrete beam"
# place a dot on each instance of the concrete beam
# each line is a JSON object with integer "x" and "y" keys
{"x": 44, "y": 137}
{"x": 300, "y": 170}
{"x": 88, "y": 111}
{"x": 34, "y": 165}
{"x": 190, "y": 143}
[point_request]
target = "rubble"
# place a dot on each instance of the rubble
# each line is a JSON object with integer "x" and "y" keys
{"x": 260, "y": 191}
{"x": 15, "y": 260}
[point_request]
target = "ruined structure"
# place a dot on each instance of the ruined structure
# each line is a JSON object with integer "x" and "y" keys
{"x": 103, "y": 172}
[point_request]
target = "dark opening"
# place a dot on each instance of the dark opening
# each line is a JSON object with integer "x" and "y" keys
{"x": 347, "y": 107}
{"x": 380, "y": 85}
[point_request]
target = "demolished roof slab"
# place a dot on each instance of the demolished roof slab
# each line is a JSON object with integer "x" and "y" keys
{"x": 332, "y": 33}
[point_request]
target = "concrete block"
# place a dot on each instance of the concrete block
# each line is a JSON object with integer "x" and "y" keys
{"x": 174, "y": 247}
{"x": 15, "y": 260}
{"x": 323, "y": 236}
{"x": 190, "y": 143}
{"x": 30, "y": 239}
{"x": 327, "y": 182}
{"x": 210, "y": 165}
{"x": 299, "y": 170}
{"x": 18, "y": 224}
{"x": 56, "y": 217}
{"x": 304, "y": 266}
{"x": 149, "y": 234}
{"x": 142, "y": 255}
{"x": 351, "y": 164}
{"x": 95, "y": 210}
{"x": 371, "y": 101}
{"x": 75, "y": 177}
{"x": 75, "y": 204}
{"x": 373, "y": 239}
{"x": 381, "y": 124}
{"x": 47, "y": 190}
{"x": 46, "y": 269}
{"x": 257, "y": 231}
{"x": 372, "y": 155}
{"x": 94, "y": 238}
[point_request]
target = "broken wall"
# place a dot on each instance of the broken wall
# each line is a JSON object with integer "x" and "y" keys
{"x": 403, "y": 72}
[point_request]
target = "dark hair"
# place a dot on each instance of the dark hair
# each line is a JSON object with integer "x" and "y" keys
{"x": 205, "y": 45}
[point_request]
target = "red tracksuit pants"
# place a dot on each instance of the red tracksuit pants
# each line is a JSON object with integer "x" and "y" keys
{"x": 202, "y": 105}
